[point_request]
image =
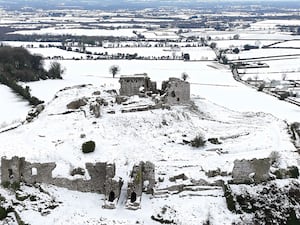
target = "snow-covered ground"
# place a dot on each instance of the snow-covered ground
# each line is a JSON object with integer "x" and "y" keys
{"x": 157, "y": 136}
{"x": 282, "y": 68}
{"x": 224, "y": 44}
{"x": 289, "y": 44}
{"x": 196, "y": 53}
{"x": 248, "y": 123}
{"x": 56, "y": 52}
{"x": 209, "y": 80}
{"x": 13, "y": 107}
{"x": 28, "y": 44}
{"x": 273, "y": 24}
{"x": 265, "y": 52}
{"x": 86, "y": 32}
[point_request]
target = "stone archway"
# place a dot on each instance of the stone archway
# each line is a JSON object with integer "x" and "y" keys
{"x": 111, "y": 196}
{"x": 133, "y": 197}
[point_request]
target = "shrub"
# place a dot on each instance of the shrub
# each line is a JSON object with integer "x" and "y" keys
{"x": 3, "y": 213}
{"x": 88, "y": 146}
{"x": 261, "y": 87}
{"x": 198, "y": 141}
{"x": 229, "y": 198}
{"x": 15, "y": 186}
{"x": 293, "y": 171}
{"x": 21, "y": 197}
{"x": 77, "y": 171}
{"x": 55, "y": 71}
{"x": 6, "y": 184}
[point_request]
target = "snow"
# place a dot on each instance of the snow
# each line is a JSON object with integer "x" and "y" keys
{"x": 266, "y": 52}
{"x": 127, "y": 138}
{"x": 120, "y": 139}
{"x": 249, "y": 124}
{"x": 28, "y": 44}
{"x": 240, "y": 43}
{"x": 272, "y": 24}
{"x": 196, "y": 53}
{"x": 209, "y": 80}
{"x": 14, "y": 109}
{"x": 56, "y": 52}
{"x": 279, "y": 68}
{"x": 80, "y": 32}
{"x": 289, "y": 44}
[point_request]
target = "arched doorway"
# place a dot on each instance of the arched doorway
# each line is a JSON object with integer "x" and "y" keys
{"x": 133, "y": 197}
{"x": 111, "y": 196}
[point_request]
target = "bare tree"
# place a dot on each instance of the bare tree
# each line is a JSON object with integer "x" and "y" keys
{"x": 114, "y": 69}
{"x": 55, "y": 71}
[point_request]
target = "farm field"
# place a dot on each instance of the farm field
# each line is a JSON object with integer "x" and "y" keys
{"x": 209, "y": 80}
{"x": 233, "y": 141}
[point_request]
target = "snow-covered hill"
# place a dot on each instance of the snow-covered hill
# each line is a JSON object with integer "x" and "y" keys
{"x": 160, "y": 136}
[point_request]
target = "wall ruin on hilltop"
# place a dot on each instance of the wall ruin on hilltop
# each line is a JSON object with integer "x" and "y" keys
{"x": 176, "y": 91}
{"x": 173, "y": 91}
{"x": 102, "y": 178}
{"x": 251, "y": 171}
{"x": 136, "y": 84}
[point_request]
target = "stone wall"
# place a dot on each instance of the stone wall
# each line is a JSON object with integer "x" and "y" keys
{"x": 19, "y": 170}
{"x": 251, "y": 171}
{"x": 131, "y": 85}
{"x": 142, "y": 179}
{"x": 176, "y": 91}
{"x": 148, "y": 177}
{"x": 102, "y": 179}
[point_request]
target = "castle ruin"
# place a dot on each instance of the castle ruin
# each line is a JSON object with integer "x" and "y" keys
{"x": 173, "y": 91}
{"x": 176, "y": 91}
{"x": 102, "y": 178}
{"x": 142, "y": 180}
{"x": 136, "y": 84}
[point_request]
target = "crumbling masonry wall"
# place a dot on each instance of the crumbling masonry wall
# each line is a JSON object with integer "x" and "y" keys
{"x": 19, "y": 170}
{"x": 251, "y": 171}
{"x": 176, "y": 91}
{"x": 142, "y": 180}
{"x": 130, "y": 85}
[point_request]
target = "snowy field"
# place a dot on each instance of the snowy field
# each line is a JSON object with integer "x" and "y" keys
{"x": 202, "y": 75}
{"x": 57, "y": 52}
{"x": 25, "y": 44}
{"x": 265, "y": 52}
{"x": 209, "y": 80}
{"x": 196, "y": 53}
{"x": 272, "y": 24}
{"x": 289, "y": 44}
{"x": 281, "y": 68}
{"x": 86, "y": 32}
{"x": 240, "y": 43}
{"x": 248, "y": 123}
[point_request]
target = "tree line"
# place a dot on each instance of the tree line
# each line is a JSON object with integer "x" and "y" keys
{"x": 17, "y": 64}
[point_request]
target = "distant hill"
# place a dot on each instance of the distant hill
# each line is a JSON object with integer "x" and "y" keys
{"x": 132, "y": 4}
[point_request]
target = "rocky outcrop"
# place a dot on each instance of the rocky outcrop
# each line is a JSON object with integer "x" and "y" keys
{"x": 76, "y": 104}
{"x": 33, "y": 113}
{"x": 95, "y": 109}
